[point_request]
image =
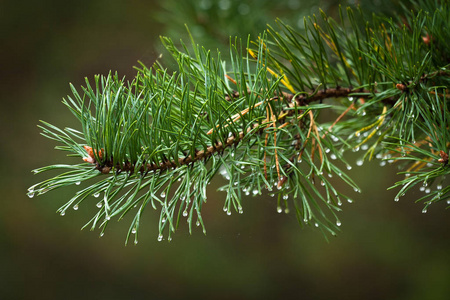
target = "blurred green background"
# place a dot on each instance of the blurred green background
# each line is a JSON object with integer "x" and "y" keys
{"x": 386, "y": 250}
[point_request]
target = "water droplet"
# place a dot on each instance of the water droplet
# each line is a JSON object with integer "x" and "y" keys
{"x": 247, "y": 193}
{"x": 359, "y": 162}
{"x": 425, "y": 183}
{"x": 78, "y": 182}
{"x": 422, "y": 188}
{"x": 330, "y": 175}
{"x": 102, "y": 234}
{"x": 285, "y": 197}
{"x": 62, "y": 213}
{"x": 279, "y": 210}
{"x": 160, "y": 237}
{"x": 163, "y": 220}
{"x": 240, "y": 210}
{"x": 255, "y": 192}
{"x": 75, "y": 207}
{"x": 133, "y": 231}
{"x": 286, "y": 210}
{"x": 135, "y": 242}
{"x": 427, "y": 190}
{"x": 349, "y": 200}
{"x": 349, "y": 167}
{"x": 31, "y": 195}
{"x": 448, "y": 201}
{"x": 356, "y": 189}
{"x": 197, "y": 223}
{"x": 439, "y": 187}
{"x": 96, "y": 195}
{"x": 229, "y": 212}
{"x": 424, "y": 211}
{"x": 108, "y": 218}
{"x": 429, "y": 165}
{"x": 364, "y": 147}
{"x": 396, "y": 199}
{"x": 382, "y": 163}
{"x": 333, "y": 156}
{"x": 272, "y": 195}
{"x": 316, "y": 224}
{"x": 338, "y": 223}
{"x": 169, "y": 238}
{"x": 163, "y": 194}
{"x": 327, "y": 150}
{"x": 99, "y": 205}
{"x": 185, "y": 213}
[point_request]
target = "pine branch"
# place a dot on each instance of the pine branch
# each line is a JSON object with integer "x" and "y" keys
{"x": 301, "y": 100}
{"x": 160, "y": 139}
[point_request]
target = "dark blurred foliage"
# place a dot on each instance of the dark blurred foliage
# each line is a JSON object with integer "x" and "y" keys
{"x": 386, "y": 250}
{"x": 214, "y": 21}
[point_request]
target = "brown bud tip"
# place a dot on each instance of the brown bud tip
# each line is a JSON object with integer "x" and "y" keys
{"x": 89, "y": 160}
{"x": 426, "y": 39}
{"x": 100, "y": 153}
{"x": 400, "y": 86}
{"x": 105, "y": 170}
{"x": 89, "y": 151}
{"x": 444, "y": 157}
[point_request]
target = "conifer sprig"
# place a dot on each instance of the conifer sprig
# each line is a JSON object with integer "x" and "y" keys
{"x": 257, "y": 120}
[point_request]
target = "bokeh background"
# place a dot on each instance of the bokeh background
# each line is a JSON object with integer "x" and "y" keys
{"x": 386, "y": 250}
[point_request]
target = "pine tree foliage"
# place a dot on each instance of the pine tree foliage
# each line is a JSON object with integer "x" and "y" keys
{"x": 277, "y": 117}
